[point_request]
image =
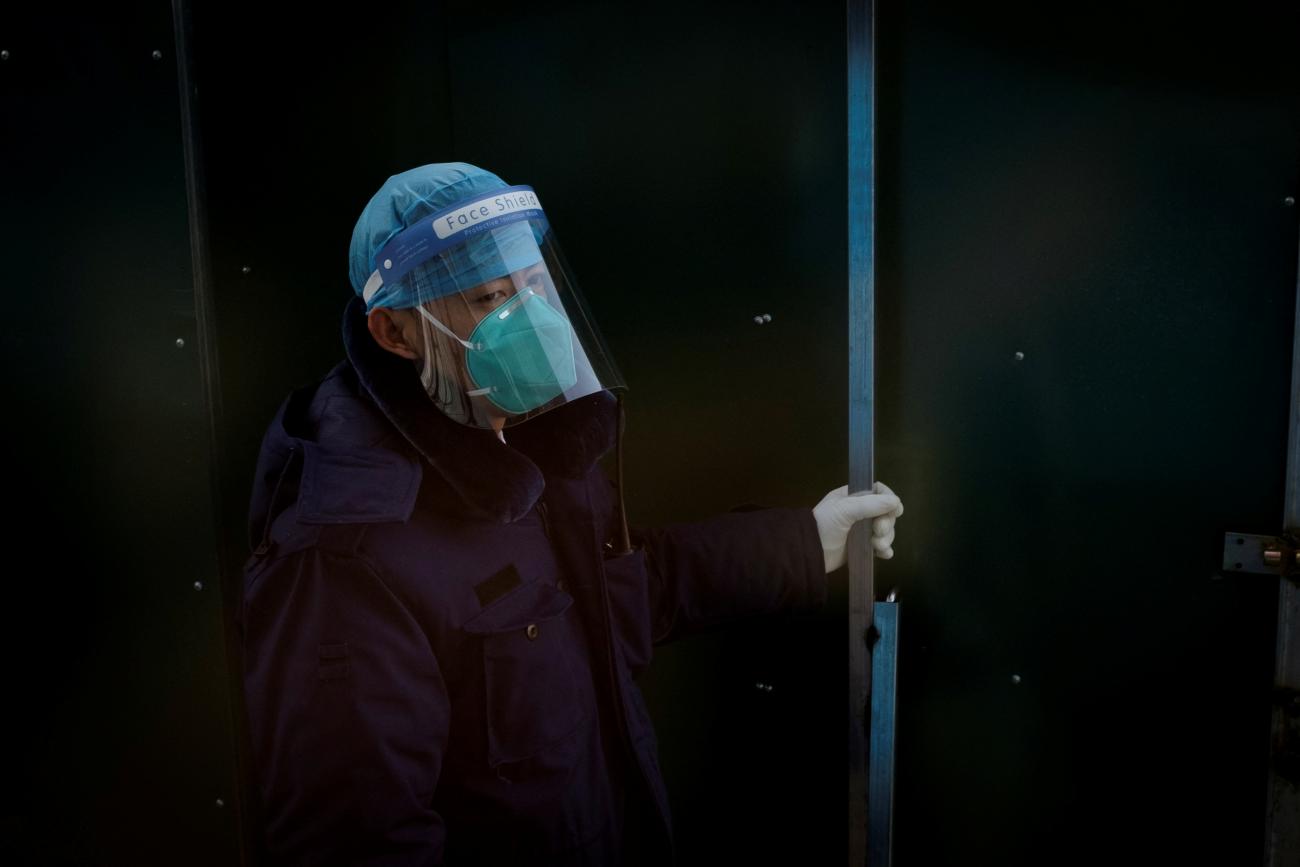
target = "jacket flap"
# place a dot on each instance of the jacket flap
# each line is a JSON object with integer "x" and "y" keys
{"x": 530, "y": 603}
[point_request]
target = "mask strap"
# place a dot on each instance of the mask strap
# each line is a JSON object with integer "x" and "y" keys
{"x": 445, "y": 330}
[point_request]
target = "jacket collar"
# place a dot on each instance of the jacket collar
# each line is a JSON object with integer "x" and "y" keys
{"x": 495, "y": 480}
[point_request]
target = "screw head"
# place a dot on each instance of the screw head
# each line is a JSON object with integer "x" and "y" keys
{"x": 246, "y": 270}
{"x": 767, "y": 317}
{"x": 157, "y": 55}
{"x": 220, "y": 803}
{"x": 758, "y": 320}
{"x": 1289, "y": 201}
{"x": 4, "y": 55}
{"x": 198, "y": 585}
{"x": 180, "y": 342}
{"x": 1020, "y": 356}
{"x": 1015, "y": 679}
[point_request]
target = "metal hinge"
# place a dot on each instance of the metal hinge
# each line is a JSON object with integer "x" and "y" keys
{"x": 1261, "y": 555}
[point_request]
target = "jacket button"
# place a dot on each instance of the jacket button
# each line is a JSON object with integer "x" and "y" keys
{"x": 531, "y": 631}
{"x": 559, "y": 585}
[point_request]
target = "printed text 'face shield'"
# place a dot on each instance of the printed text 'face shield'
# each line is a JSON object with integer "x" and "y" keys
{"x": 505, "y": 334}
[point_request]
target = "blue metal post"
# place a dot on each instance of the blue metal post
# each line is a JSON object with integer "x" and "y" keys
{"x": 861, "y": 214}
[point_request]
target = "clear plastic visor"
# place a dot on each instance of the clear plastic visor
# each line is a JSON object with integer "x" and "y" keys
{"x": 517, "y": 342}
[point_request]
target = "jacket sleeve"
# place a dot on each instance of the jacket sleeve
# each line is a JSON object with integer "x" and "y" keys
{"x": 731, "y": 566}
{"x": 735, "y": 565}
{"x": 348, "y": 715}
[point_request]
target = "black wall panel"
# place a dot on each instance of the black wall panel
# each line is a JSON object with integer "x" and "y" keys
{"x": 117, "y": 712}
{"x": 1088, "y": 303}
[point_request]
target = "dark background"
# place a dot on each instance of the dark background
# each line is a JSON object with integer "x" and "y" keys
{"x": 1100, "y": 188}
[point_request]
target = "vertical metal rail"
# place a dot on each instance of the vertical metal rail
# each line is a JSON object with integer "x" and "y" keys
{"x": 1282, "y": 819}
{"x": 880, "y": 777}
{"x": 862, "y": 243}
{"x": 240, "y": 786}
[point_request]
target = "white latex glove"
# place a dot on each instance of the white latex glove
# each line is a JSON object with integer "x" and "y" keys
{"x": 838, "y": 512}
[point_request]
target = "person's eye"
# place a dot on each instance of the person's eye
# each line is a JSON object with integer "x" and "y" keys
{"x": 491, "y": 297}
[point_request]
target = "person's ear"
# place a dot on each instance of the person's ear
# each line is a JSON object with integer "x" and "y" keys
{"x": 393, "y": 331}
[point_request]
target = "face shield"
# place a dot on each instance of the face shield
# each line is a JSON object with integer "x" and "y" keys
{"x": 506, "y": 335}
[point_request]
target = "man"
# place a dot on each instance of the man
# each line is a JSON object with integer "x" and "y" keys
{"x": 445, "y": 609}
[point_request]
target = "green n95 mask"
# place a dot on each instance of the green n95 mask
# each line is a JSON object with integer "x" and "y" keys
{"x": 520, "y": 356}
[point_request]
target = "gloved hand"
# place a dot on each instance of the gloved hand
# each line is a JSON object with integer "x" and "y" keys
{"x": 837, "y": 512}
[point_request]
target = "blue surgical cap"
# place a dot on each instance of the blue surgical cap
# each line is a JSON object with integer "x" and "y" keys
{"x": 409, "y": 197}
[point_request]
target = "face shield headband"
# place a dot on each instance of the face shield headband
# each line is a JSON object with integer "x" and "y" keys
{"x": 449, "y": 228}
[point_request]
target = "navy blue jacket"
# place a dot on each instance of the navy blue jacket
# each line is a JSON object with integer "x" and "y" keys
{"x": 439, "y": 646}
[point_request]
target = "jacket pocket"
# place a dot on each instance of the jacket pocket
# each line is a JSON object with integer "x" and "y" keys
{"x": 530, "y": 670}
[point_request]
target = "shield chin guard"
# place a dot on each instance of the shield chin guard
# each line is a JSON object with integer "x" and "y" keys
{"x": 505, "y": 333}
